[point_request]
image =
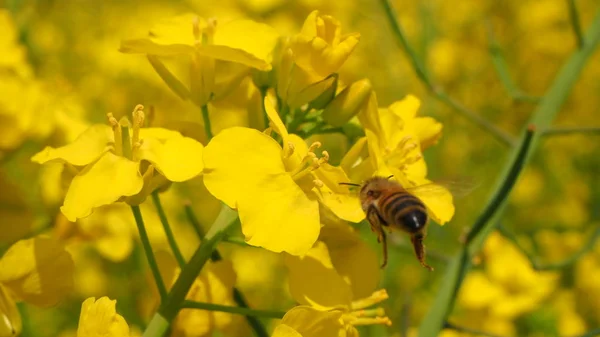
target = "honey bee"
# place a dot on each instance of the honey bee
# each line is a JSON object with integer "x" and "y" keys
{"x": 388, "y": 205}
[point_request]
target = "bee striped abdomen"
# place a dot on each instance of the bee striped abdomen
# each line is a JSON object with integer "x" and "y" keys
{"x": 404, "y": 210}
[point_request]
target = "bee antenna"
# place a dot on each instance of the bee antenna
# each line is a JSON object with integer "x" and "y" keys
{"x": 350, "y": 184}
{"x": 390, "y": 177}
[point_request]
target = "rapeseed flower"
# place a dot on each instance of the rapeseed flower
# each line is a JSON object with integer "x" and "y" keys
{"x": 268, "y": 184}
{"x": 122, "y": 163}
{"x": 217, "y": 57}
{"x": 311, "y": 57}
{"x": 37, "y": 271}
{"x": 395, "y": 138}
{"x": 344, "y": 275}
{"x": 100, "y": 318}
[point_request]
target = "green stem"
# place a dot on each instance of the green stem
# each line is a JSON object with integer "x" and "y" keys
{"x": 206, "y": 119}
{"x": 575, "y": 22}
{"x": 165, "y": 223}
{"x": 502, "y": 69}
{"x": 238, "y": 297}
{"x": 234, "y": 310}
{"x": 437, "y": 92}
{"x": 171, "y": 305}
{"x": 542, "y": 118}
{"x": 500, "y": 196}
{"x": 560, "y": 131}
{"x": 139, "y": 221}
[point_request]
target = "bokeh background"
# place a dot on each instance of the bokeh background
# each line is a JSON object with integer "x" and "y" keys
{"x": 60, "y": 70}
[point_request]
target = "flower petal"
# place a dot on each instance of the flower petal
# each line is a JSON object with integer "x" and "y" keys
{"x": 100, "y": 318}
{"x": 101, "y": 183}
{"x": 169, "y": 37}
{"x": 291, "y": 223}
{"x": 236, "y": 159}
{"x": 243, "y": 41}
{"x": 304, "y": 321}
{"x": 439, "y": 204}
{"x": 243, "y": 168}
{"x": 356, "y": 262}
{"x": 336, "y": 197}
{"x": 178, "y": 159}
{"x": 314, "y": 281}
{"x": 85, "y": 149}
{"x": 38, "y": 270}
{"x": 10, "y": 318}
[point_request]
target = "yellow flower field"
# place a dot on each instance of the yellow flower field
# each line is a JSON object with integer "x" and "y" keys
{"x": 299, "y": 168}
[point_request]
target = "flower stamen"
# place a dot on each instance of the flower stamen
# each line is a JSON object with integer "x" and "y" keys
{"x": 138, "y": 122}
{"x": 112, "y": 121}
{"x": 376, "y": 297}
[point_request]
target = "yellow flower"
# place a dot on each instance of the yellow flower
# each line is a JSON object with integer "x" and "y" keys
{"x": 311, "y": 58}
{"x": 267, "y": 184}
{"x": 221, "y": 55}
{"x": 395, "y": 138}
{"x": 334, "y": 283}
{"x": 38, "y": 271}
{"x": 111, "y": 168}
{"x": 99, "y": 318}
{"x": 320, "y": 46}
{"x": 342, "y": 268}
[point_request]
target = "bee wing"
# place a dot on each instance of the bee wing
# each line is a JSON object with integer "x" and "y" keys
{"x": 458, "y": 187}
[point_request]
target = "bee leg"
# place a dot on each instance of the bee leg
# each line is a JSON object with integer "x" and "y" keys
{"x": 417, "y": 241}
{"x": 384, "y": 245}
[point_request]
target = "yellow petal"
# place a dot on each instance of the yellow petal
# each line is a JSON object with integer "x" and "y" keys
{"x": 426, "y": 129}
{"x": 320, "y": 47}
{"x": 369, "y": 118}
{"x": 290, "y": 225}
{"x": 304, "y": 321}
{"x": 243, "y": 168}
{"x": 439, "y": 204}
{"x": 100, "y": 318}
{"x": 10, "y": 319}
{"x": 275, "y": 120}
{"x": 169, "y": 37}
{"x": 237, "y": 158}
{"x": 356, "y": 262}
{"x": 85, "y": 149}
{"x": 101, "y": 183}
{"x": 178, "y": 159}
{"x": 336, "y": 197}
{"x": 314, "y": 281}
{"x": 38, "y": 271}
{"x": 243, "y": 41}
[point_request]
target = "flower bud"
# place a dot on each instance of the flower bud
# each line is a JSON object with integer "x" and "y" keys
{"x": 348, "y": 103}
{"x": 320, "y": 46}
{"x": 326, "y": 96}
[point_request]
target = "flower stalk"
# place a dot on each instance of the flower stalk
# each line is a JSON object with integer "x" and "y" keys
{"x": 173, "y": 302}
{"x": 168, "y": 231}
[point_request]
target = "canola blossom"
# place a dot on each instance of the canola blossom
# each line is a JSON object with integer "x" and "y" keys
{"x": 236, "y": 199}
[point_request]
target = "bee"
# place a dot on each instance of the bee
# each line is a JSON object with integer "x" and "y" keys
{"x": 388, "y": 205}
